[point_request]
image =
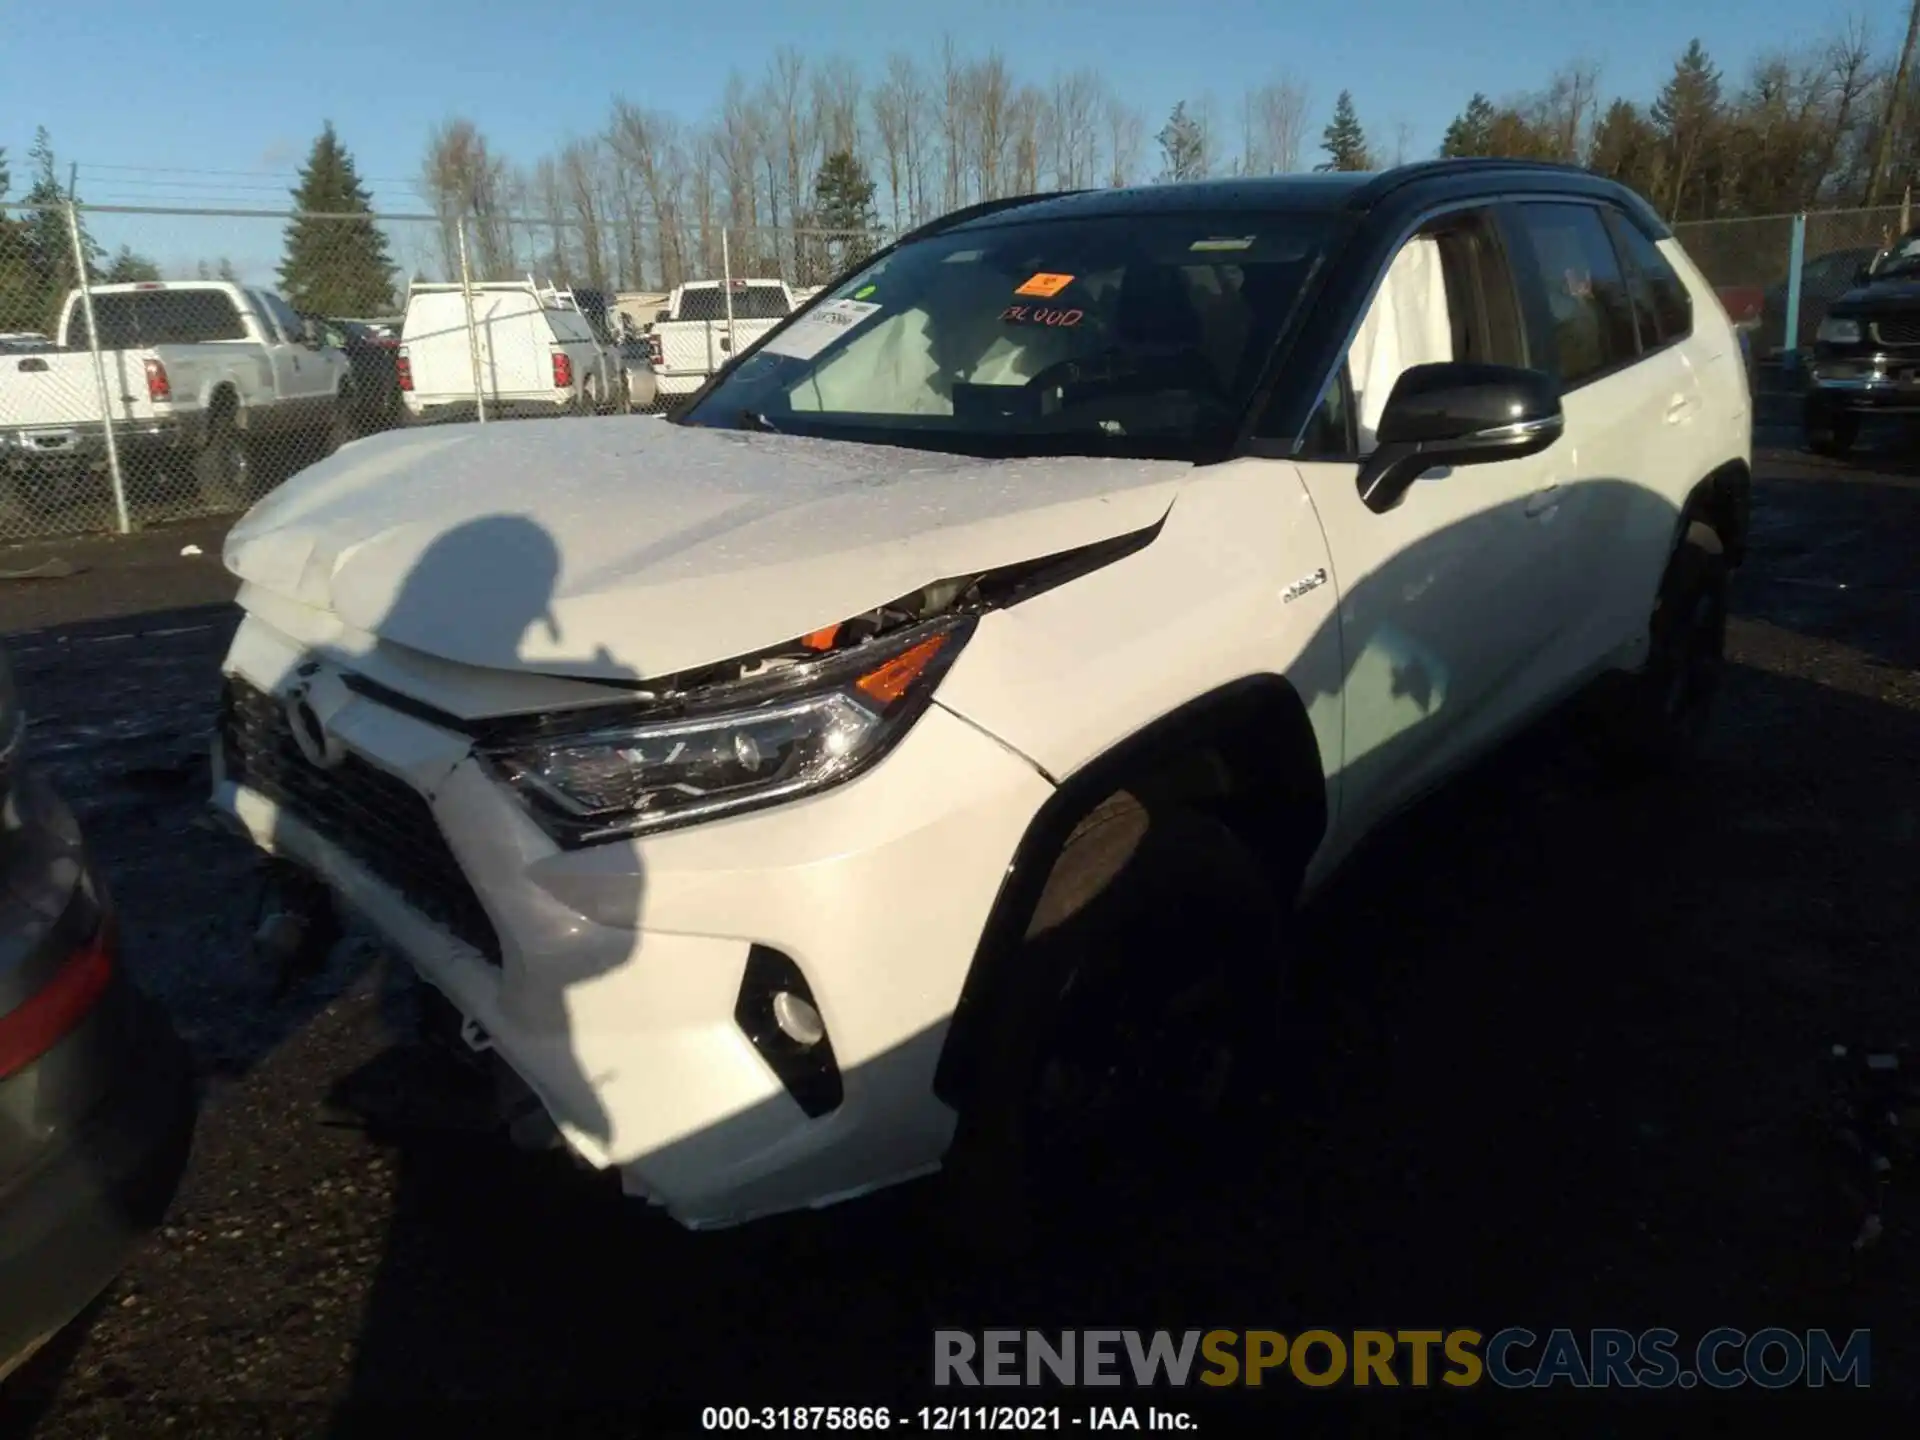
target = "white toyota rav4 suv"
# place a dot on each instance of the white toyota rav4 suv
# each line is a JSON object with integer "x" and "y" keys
{"x": 905, "y": 757}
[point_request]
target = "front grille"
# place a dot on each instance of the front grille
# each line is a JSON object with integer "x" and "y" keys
{"x": 379, "y": 820}
{"x": 1903, "y": 331}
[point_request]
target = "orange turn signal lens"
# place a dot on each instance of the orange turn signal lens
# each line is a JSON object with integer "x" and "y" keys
{"x": 888, "y": 682}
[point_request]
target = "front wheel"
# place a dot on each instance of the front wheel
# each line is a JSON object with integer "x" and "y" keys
{"x": 342, "y": 427}
{"x": 1130, "y": 1033}
{"x": 1829, "y": 429}
{"x": 223, "y": 469}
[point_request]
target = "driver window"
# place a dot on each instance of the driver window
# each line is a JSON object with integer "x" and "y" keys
{"x": 1408, "y": 324}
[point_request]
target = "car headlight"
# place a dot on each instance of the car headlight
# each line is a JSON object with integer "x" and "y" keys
{"x": 1838, "y": 332}
{"x": 736, "y": 747}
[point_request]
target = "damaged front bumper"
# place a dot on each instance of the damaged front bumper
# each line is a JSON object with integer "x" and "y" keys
{"x": 634, "y": 984}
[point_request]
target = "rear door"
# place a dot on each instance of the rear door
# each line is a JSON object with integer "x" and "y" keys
{"x": 439, "y": 352}
{"x": 280, "y": 354}
{"x": 516, "y": 343}
{"x": 314, "y": 373}
{"x": 1625, "y": 409}
{"x": 690, "y": 341}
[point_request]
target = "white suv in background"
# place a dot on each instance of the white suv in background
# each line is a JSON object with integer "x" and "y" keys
{"x": 906, "y": 757}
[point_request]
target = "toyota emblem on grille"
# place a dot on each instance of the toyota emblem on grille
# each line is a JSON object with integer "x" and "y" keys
{"x": 319, "y": 748}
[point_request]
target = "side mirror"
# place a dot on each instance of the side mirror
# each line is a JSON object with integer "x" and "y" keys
{"x": 1458, "y": 413}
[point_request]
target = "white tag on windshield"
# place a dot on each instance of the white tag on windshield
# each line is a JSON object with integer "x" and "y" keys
{"x": 819, "y": 328}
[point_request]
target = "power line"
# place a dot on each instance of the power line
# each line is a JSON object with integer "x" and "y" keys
{"x": 253, "y": 174}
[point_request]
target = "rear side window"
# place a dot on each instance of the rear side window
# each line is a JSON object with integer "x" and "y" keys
{"x": 1589, "y": 310}
{"x": 1660, "y": 298}
{"x": 130, "y": 320}
{"x": 750, "y": 302}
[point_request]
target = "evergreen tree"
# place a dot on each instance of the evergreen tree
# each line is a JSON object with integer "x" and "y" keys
{"x": 1343, "y": 139}
{"x": 1626, "y": 148}
{"x": 43, "y": 272}
{"x": 1686, "y": 113}
{"x": 1471, "y": 132}
{"x": 1183, "y": 147}
{"x": 334, "y": 266}
{"x": 126, "y": 267}
{"x": 843, "y": 202}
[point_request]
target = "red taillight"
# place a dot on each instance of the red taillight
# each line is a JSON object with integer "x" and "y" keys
{"x": 35, "y": 1026}
{"x": 562, "y": 370}
{"x": 656, "y": 357}
{"x": 158, "y": 386}
{"x": 403, "y": 367}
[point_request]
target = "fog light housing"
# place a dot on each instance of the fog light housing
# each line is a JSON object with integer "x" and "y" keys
{"x": 798, "y": 1020}
{"x": 777, "y": 1013}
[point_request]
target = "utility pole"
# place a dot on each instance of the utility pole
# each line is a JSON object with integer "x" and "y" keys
{"x": 1891, "y": 116}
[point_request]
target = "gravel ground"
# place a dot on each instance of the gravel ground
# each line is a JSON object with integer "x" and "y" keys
{"x": 1561, "y": 1058}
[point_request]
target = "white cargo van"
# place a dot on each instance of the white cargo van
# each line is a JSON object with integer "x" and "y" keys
{"x": 538, "y": 353}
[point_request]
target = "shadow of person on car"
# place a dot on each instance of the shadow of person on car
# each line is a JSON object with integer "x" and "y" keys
{"x": 443, "y": 1095}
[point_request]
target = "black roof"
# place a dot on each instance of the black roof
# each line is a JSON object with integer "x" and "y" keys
{"x": 1328, "y": 193}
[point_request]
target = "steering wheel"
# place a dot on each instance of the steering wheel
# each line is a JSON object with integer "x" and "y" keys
{"x": 1129, "y": 368}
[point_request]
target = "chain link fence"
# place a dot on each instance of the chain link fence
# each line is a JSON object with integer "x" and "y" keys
{"x": 199, "y": 358}
{"x": 236, "y": 347}
{"x": 1749, "y": 262}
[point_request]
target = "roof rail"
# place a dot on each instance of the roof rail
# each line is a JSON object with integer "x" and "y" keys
{"x": 984, "y": 207}
{"x": 1591, "y": 181}
{"x": 1388, "y": 181}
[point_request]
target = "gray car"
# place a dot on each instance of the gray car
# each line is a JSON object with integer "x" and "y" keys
{"x": 97, "y": 1102}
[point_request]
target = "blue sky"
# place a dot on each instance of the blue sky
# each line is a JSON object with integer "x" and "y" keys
{"x": 241, "y": 86}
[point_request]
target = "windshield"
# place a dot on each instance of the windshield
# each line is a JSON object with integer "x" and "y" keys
{"x": 1124, "y": 334}
{"x": 1903, "y": 257}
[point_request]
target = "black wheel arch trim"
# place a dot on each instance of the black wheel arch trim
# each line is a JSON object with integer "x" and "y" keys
{"x": 1724, "y": 500}
{"x": 1265, "y": 705}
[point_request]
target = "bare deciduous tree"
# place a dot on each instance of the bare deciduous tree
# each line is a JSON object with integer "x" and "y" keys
{"x": 989, "y": 98}
{"x": 1274, "y": 128}
{"x": 1126, "y": 131}
{"x": 899, "y": 117}
{"x": 955, "y": 131}
{"x": 464, "y": 182}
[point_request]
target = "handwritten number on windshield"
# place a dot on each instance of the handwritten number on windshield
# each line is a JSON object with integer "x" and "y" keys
{"x": 1041, "y": 315}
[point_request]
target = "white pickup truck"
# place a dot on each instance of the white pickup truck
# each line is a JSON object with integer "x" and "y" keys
{"x": 694, "y": 335}
{"x": 201, "y": 374}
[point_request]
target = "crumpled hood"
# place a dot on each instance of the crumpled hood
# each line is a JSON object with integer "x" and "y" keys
{"x": 632, "y": 548}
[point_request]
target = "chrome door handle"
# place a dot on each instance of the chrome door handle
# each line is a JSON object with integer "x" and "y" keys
{"x": 1678, "y": 409}
{"x": 1542, "y": 501}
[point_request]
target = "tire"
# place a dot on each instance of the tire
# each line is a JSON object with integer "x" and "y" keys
{"x": 342, "y": 428}
{"x": 223, "y": 468}
{"x": 1146, "y": 991}
{"x": 587, "y": 402}
{"x": 1662, "y": 714}
{"x": 1829, "y": 429}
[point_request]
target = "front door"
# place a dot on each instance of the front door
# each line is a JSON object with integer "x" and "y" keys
{"x": 1446, "y": 601}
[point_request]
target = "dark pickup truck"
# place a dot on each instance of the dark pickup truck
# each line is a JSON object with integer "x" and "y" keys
{"x": 1866, "y": 352}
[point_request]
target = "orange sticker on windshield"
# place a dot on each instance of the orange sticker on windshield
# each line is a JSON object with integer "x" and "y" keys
{"x": 1044, "y": 285}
